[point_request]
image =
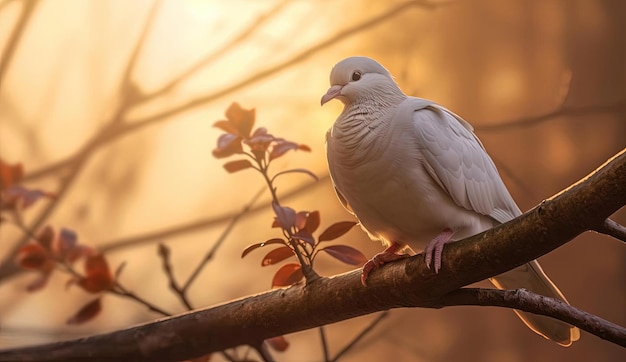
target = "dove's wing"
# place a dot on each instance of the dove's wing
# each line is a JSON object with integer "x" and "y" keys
{"x": 457, "y": 161}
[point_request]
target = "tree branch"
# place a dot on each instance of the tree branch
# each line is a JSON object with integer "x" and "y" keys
{"x": 527, "y": 301}
{"x": 611, "y": 228}
{"x": 407, "y": 283}
{"x": 618, "y": 106}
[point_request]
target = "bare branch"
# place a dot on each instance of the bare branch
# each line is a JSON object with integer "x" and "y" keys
{"x": 79, "y": 160}
{"x": 611, "y": 228}
{"x": 360, "y": 336}
{"x": 527, "y": 301}
{"x": 139, "y": 124}
{"x": 614, "y": 107}
{"x": 406, "y": 283}
{"x": 28, "y": 7}
{"x": 233, "y": 43}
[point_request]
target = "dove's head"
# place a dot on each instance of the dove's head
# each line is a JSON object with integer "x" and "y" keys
{"x": 359, "y": 78}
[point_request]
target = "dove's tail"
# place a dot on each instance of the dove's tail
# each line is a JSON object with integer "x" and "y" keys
{"x": 530, "y": 276}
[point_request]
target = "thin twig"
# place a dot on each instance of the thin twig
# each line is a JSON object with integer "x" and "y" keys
{"x": 123, "y": 292}
{"x": 360, "y": 336}
{"x": 617, "y": 106}
{"x": 189, "y": 105}
{"x": 211, "y": 253}
{"x": 28, "y": 8}
{"x": 79, "y": 160}
{"x": 164, "y": 253}
{"x": 324, "y": 344}
{"x": 612, "y": 228}
{"x": 220, "y": 52}
{"x": 263, "y": 352}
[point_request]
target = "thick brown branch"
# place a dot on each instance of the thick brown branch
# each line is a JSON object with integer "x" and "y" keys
{"x": 407, "y": 283}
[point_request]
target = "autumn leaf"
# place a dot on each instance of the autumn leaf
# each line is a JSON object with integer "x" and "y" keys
{"x": 301, "y": 217}
{"x": 10, "y": 174}
{"x": 35, "y": 257}
{"x": 98, "y": 276}
{"x": 277, "y": 255}
{"x": 304, "y": 236}
{"x": 287, "y": 275}
{"x": 278, "y": 343}
{"x": 260, "y": 140}
{"x": 249, "y": 248}
{"x": 336, "y": 230}
{"x": 312, "y": 221}
{"x": 86, "y": 313}
{"x": 282, "y": 146}
{"x": 234, "y": 166}
{"x": 69, "y": 249}
{"x": 227, "y": 145}
{"x": 241, "y": 119}
{"x": 346, "y": 254}
{"x": 46, "y": 238}
{"x": 18, "y": 197}
{"x": 286, "y": 216}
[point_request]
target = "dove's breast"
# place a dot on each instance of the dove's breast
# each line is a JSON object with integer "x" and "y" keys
{"x": 381, "y": 175}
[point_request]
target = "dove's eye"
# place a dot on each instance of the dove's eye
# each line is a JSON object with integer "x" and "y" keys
{"x": 356, "y": 76}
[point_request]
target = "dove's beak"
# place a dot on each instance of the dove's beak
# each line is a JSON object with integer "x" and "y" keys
{"x": 332, "y": 93}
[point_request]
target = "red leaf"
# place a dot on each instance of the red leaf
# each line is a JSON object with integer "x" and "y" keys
{"x": 286, "y": 216}
{"x": 346, "y": 254}
{"x": 301, "y": 219}
{"x": 279, "y": 343}
{"x": 304, "y": 148}
{"x": 304, "y": 236}
{"x": 225, "y": 126}
{"x": 35, "y": 257}
{"x": 336, "y": 230}
{"x": 227, "y": 145}
{"x": 242, "y": 119}
{"x": 249, "y": 248}
{"x": 10, "y": 174}
{"x": 234, "y": 166}
{"x": 16, "y": 197}
{"x": 68, "y": 248}
{"x": 260, "y": 141}
{"x": 86, "y": 313}
{"x": 287, "y": 275}
{"x": 98, "y": 276}
{"x": 277, "y": 255}
{"x": 281, "y": 147}
{"x": 312, "y": 221}
{"x": 46, "y": 237}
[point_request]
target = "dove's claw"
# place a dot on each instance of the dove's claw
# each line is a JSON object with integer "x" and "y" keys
{"x": 385, "y": 256}
{"x": 434, "y": 249}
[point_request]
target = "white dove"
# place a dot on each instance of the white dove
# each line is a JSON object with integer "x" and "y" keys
{"x": 412, "y": 171}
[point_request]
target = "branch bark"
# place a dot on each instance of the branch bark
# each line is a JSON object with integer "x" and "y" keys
{"x": 407, "y": 283}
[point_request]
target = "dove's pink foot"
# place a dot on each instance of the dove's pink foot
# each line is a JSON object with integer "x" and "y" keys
{"x": 385, "y": 256}
{"x": 434, "y": 249}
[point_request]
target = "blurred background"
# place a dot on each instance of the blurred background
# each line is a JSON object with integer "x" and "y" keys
{"x": 110, "y": 104}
